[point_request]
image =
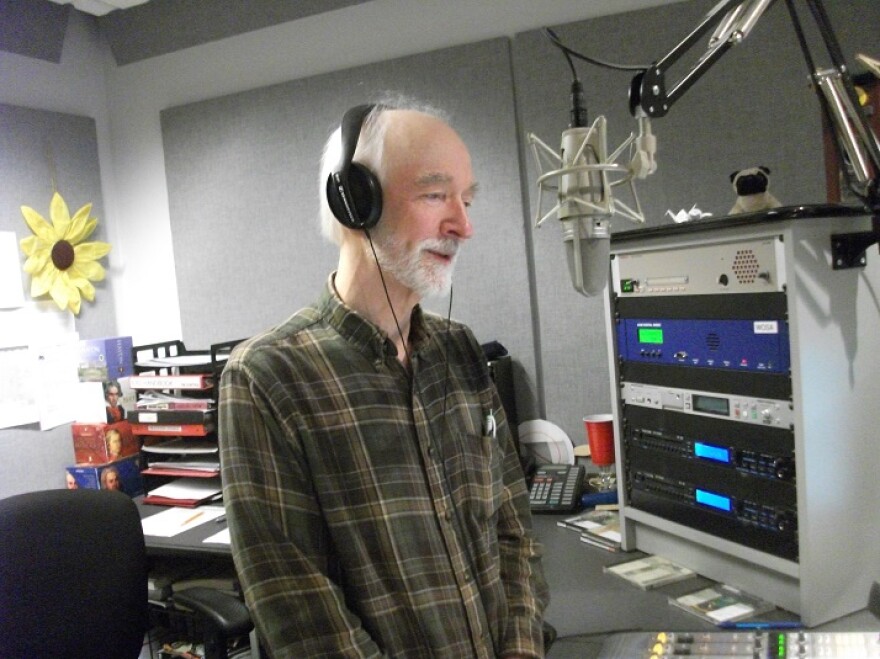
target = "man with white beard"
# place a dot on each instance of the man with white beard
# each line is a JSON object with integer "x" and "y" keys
{"x": 375, "y": 500}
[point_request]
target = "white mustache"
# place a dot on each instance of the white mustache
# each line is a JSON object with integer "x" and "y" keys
{"x": 446, "y": 246}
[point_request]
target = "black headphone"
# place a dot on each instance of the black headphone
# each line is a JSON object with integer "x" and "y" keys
{"x": 353, "y": 191}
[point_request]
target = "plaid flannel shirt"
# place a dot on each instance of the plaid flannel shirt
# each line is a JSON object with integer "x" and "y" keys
{"x": 370, "y": 515}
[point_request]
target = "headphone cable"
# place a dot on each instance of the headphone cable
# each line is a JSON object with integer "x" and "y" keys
{"x": 388, "y": 297}
{"x": 472, "y": 563}
{"x": 446, "y": 350}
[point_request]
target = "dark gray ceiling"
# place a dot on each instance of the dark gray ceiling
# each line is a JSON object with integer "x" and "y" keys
{"x": 164, "y": 26}
{"x": 35, "y": 28}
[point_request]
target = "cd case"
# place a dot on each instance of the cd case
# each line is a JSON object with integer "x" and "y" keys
{"x": 650, "y": 571}
{"x": 721, "y": 603}
{"x": 599, "y": 527}
{"x": 607, "y": 537}
{"x": 591, "y": 519}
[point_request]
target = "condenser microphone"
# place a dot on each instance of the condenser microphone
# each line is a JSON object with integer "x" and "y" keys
{"x": 585, "y": 206}
{"x": 581, "y": 175}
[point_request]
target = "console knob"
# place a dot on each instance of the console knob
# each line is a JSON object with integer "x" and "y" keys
{"x": 783, "y": 468}
{"x": 785, "y": 522}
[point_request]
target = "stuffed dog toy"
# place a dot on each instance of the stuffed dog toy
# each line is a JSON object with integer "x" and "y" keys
{"x": 752, "y": 193}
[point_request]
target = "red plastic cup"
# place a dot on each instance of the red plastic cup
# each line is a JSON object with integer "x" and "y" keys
{"x": 600, "y": 435}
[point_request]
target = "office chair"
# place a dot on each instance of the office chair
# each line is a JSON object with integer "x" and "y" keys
{"x": 223, "y": 617}
{"x": 73, "y": 575}
{"x": 549, "y": 636}
{"x": 73, "y": 580}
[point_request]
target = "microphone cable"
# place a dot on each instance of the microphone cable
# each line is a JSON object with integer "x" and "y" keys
{"x": 569, "y": 53}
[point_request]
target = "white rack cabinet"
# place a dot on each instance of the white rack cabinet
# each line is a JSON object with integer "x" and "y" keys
{"x": 834, "y": 337}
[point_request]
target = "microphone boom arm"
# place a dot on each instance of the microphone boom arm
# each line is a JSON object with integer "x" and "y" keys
{"x": 735, "y": 19}
{"x": 853, "y": 138}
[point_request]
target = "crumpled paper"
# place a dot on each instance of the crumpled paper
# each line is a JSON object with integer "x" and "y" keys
{"x": 683, "y": 216}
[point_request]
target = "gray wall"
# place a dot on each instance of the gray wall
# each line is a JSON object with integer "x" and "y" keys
{"x": 242, "y": 184}
{"x": 33, "y": 143}
{"x": 242, "y": 180}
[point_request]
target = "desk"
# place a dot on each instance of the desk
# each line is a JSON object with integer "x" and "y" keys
{"x": 190, "y": 546}
{"x": 586, "y": 604}
{"x": 187, "y": 544}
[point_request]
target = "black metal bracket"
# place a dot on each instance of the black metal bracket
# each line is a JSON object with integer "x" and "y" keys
{"x": 651, "y": 95}
{"x": 848, "y": 249}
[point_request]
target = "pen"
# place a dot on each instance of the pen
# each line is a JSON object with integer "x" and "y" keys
{"x": 491, "y": 424}
{"x": 192, "y": 518}
{"x": 778, "y": 624}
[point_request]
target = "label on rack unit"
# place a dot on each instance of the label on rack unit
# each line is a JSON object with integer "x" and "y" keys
{"x": 743, "y": 409}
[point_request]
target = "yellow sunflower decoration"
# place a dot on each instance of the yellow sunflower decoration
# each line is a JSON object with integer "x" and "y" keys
{"x": 59, "y": 262}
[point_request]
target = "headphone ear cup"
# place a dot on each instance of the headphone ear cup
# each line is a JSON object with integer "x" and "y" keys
{"x": 336, "y": 200}
{"x": 353, "y": 191}
{"x": 366, "y": 196}
{"x": 355, "y": 199}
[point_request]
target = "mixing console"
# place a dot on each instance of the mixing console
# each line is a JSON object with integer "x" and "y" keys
{"x": 747, "y": 644}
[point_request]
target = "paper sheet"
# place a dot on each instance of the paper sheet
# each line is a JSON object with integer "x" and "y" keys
{"x": 172, "y": 521}
{"x": 188, "y": 489}
{"x": 221, "y": 538}
{"x": 18, "y": 403}
{"x": 38, "y": 359}
{"x": 36, "y": 323}
{"x": 11, "y": 292}
{"x": 56, "y": 383}
{"x": 90, "y": 405}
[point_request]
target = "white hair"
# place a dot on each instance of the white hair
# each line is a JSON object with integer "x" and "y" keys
{"x": 370, "y": 153}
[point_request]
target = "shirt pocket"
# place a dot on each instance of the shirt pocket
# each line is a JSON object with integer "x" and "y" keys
{"x": 478, "y": 477}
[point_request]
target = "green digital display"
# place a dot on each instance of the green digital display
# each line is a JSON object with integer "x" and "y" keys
{"x": 651, "y": 335}
{"x": 711, "y": 405}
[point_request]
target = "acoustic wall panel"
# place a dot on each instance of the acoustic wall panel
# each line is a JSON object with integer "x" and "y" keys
{"x": 39, "y": 149}
{"x": 243, "y": 190}
{"x": 35, "y": 147}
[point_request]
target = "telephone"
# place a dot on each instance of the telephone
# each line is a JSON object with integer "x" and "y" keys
{"x": 556, "y": 488}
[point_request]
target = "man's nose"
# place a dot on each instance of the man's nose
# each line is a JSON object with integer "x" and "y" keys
{"x": 459, "y": 224}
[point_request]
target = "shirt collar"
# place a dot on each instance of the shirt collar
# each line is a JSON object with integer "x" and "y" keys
{"x": 359, "y": 331}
